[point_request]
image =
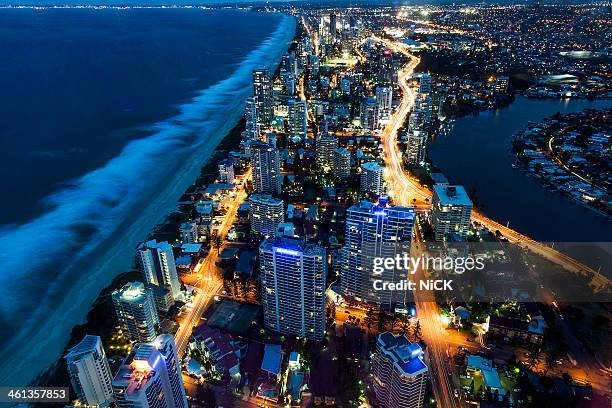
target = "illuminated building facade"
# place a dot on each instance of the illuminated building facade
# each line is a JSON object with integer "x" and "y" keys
{"x": 135, "y": 308}
{"x": 263, "y": 93}
{"x": 89, "y": 372}
{"x": 265, "y": 161}
{"x": 451, "y": 211}
{"x": 265, "y": 213}
{"x": 374, "y": 231}
{"x": 372, "y": 178}
{"x": 400, "y": 375}
{"x": 156, "y": 262}
{"x": 150, "y": 376}
{"x": 293, "y": 276}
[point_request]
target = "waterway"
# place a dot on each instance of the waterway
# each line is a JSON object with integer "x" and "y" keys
{"x": 477, "y": 153}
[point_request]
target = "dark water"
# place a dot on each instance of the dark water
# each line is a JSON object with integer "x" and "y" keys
{"x": 106, "y": 118}
{"x": 477, "y": 153}
{"x": 78, "y": 84}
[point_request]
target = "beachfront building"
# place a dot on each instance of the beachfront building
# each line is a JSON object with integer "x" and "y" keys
{"x": 265, "y": 214}
{"x": 136, "y": 312}
{"x": 226, "y": 171}
{"x": 326, "y": 146}
{"x": 342, "y": 163}
{"x": 297, "y": 119}
{"x": 400, "y": 374}
{"x": 189, "y": 232}
{"x": 293, "y": 275}
{"x": 89, "y": 372}
{"x": 263, "y": 94}
{"x": 372, "y": 178}
{"x": 374, "y": 231}
{"x": 156, "y": 262}
{"x": 251, "y": 119}
{"x": 265, "y": 162}
{"x": 150, "y": 376}
{"x": 451, "y": 210}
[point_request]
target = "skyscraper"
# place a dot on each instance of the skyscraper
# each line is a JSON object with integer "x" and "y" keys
{"x": 90, "y": 373}
{"x": 226, "y": 171}
{"x": 425, "y": 84}
{"x": 265, "y": 213}
{"x": 424, "y": 104}
{"x": 342, "y": 163}
{"x": 385, "y": 67}
{"x": 384, "y": 99}
{"x": 326, "y": 145}
{"x": 400, "y": 375}
{"x": 451, "y": 210}
{"x": 262, "y": 93}
{"x": 369, "y": 114}
{"x": 251, "y": 118}
{"x": 333, "y": 23}
{"x": 156, "y": 262}
{"x": 415, "y": 151}
{"x": 150, "y": 376}
{"x": 293, "y": 276}
{"x": 372, "y": 178}
{"x": 265, "y": 162}
{"x": 374, "y": 231}
{"x": 136, "y": 312}
{"x": 297, "y": 119}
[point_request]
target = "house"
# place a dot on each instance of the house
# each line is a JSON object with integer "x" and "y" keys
{"x": 479, "y": 366}
{"x": 516, "y": 330}
{"x": 222, "y": 350}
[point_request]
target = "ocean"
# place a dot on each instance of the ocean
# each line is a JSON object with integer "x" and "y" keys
{"x": 107, "y": 117}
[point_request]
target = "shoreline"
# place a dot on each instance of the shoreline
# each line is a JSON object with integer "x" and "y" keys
{"x": 150, "y": 214}
{"x": 101, "y": 314}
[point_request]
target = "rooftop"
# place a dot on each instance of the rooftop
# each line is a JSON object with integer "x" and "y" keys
{"x": 272, "y": 359}
{"x": 452, "y": 195}
{"x": 85, "y": 346}
{"x": 372, "y": 166}
{"x": 407, "y": 356}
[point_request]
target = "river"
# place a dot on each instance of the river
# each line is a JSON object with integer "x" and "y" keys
{"x": 477, "y": 153}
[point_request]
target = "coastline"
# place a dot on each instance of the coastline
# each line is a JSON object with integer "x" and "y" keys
{"x": 115, "y": 253}
{"x": 101, "y": 314}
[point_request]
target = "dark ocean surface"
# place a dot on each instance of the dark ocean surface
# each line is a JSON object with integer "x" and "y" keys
{"x": 106, "y": 117}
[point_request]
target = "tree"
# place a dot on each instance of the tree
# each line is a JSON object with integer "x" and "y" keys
{"x": 216, "y": 242}
{"x": 549, "y": 362}
{"x": 534, "y": 357}
{"x": 416, "y": 332}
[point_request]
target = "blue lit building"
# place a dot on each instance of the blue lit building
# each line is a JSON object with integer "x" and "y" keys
{"x": 293, "y": 276}
{"x": 400, "y": 374}
{"x": 150, "y": 376}
{"x": 374, "y": 231}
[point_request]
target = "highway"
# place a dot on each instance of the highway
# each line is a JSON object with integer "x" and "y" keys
{"x": 210, "y": 281}
{"x": 406, "y": 192}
